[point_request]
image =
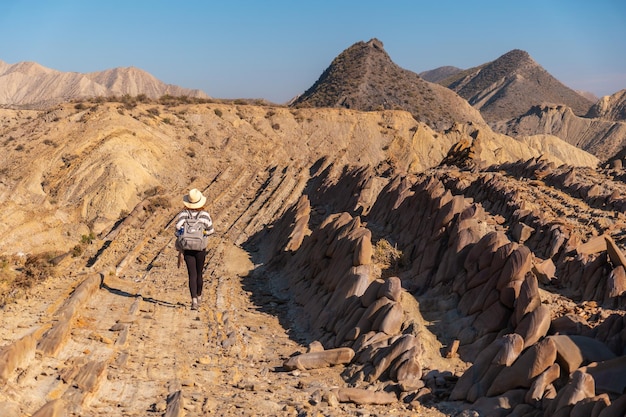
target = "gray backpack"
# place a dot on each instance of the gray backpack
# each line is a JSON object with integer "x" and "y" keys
{"x": 192, "y": 236}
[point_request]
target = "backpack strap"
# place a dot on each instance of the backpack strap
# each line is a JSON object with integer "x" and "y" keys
{"x": 191, "y": 216}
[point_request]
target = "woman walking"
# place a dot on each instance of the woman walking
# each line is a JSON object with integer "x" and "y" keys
{"x": 193, "y": 217}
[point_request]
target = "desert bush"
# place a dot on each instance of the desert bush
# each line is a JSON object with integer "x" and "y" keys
{"x": 388, "y": 257}
{"x": 151, "y": 192}
{"x": 218, "y": 112}
{"x": 77, "y": 250}
{"x": 158, "y": 202}
{"x": 87, "y": 239}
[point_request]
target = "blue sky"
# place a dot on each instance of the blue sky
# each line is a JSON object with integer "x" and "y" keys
{"x": 276, "y": 49}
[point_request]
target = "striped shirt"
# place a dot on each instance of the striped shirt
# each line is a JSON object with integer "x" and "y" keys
{"x": 202, "y": 215}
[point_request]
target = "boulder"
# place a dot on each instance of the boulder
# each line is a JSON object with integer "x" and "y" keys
{"x": 544, "y": 270}
{"x": 499, "y": 406}
{"x": 574, "y": 351}
{"x": 540, "y": 385}
{"x": 527, "y": 300}
{"x": 391, "y": 288}
{"x": 534, "y": 325}
{"x": 579, "y": 387}
{"x": 384, "y": 359}
{"x": 609, "y": 376}
{"x": 615, "y": 409}
{"x": 615, "y": 254}
{"x": 504, "y": 350}
{"x": 364, "y": 396}
{"x": 535, "y": 360}
{"x": 314, "y": 360}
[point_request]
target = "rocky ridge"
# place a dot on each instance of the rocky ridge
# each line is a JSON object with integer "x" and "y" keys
{"x": 611, "y": 107}
{"x": 510, "y": 85}
{"x": 366, "y": 264}
{"x": 513, "y": 93}
{"x": 363, "y": 77}
{"x": 600, "y": 136}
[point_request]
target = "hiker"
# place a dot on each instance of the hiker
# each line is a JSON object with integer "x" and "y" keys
{"x": 193, "y": 253}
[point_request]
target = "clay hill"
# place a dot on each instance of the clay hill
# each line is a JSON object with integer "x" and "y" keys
{"x": 364, "y": 262}
{"x": 363, "y": 77}
{"x": 29, "y": 84}
{"x": 519, "y": 98}
{"x": 441, "y": 73}
{"x": 601, "y": 136}
{"x": 513, "y": 94}
{"x": 610, "y": 107}
{"x": 510, "y": 85}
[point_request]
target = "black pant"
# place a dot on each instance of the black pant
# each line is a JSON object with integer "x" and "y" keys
{"x": 194, "y": 259}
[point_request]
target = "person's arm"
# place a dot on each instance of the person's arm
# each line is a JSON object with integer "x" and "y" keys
{"x": 180, "y": 221}
{"x": 205, "y": 217}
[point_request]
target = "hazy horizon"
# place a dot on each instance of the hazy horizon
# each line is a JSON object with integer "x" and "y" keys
{"x": 277, "y": 49}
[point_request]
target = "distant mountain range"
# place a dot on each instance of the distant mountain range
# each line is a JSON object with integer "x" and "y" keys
{"x": 32, "y": 85}
{"x": 513, "y": 95}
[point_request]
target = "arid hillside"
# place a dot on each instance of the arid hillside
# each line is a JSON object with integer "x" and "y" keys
{"x": 364, "y": 264}
{"x": 30, "y": 85}
{"x": 510, "y": 85}
{"x": 611, "y": 107}
{"x": 363, "y": 77}
{"x": 600, "y": 136}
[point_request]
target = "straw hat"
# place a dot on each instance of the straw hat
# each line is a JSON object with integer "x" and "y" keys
{"x": 194, "y": 199}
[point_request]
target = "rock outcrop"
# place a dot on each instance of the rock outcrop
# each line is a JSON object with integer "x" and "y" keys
{"x": 601, "y": 137}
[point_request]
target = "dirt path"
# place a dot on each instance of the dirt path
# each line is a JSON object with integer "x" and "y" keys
{"x": 114, "y": 334}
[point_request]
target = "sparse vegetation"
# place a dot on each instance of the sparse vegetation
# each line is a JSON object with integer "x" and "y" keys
{"x": 19, "y": 273}
{"x": 158, "y": 202}
{"x": 151, "y": 192}
{"x": 387, "y": 257}
{"x": 87, "y": 239}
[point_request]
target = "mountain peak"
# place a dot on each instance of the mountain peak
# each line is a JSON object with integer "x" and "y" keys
{"x": 510, "y": 85}
{"x": 516, "y": 55}
{"x": 363, "y": 77}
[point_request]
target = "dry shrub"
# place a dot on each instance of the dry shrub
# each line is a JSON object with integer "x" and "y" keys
{"x": 158, "y": 202}
{"x": 387, "y": 257}
{"x": 19, "y": 274}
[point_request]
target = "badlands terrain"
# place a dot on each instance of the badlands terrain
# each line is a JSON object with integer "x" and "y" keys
{"x": 364, "y": 264}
